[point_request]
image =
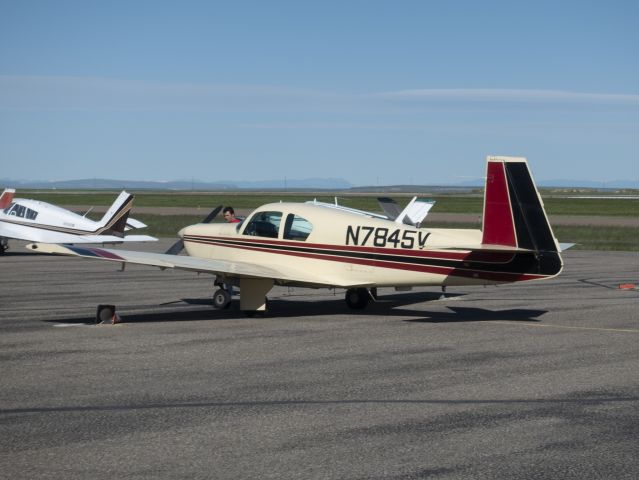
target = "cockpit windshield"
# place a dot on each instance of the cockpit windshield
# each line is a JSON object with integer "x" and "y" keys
{"x": 264, "y": 224}
{"x": 17, "y": 210}
{"x": 267, "y": 224}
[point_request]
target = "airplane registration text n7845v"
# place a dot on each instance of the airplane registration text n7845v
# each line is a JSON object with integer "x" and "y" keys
{"x": 385, "y": 237}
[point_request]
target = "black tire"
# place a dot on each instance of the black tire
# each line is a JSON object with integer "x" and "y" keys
{"x": 221, "y": 299}
{"x": 357, "y": 298}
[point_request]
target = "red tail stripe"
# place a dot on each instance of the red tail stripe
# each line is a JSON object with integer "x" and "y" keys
{"x": 499, "y": 228}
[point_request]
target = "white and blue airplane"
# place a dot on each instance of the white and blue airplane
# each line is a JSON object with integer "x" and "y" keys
{"x": 36, "y": 221}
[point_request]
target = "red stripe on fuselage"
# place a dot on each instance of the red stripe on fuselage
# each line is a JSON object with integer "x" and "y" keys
{"x": 263, "y": 246}
{"x": 444, "y": 255}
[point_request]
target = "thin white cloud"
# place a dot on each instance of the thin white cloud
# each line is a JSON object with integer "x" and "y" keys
{"x": 94, "y": 93}
{"x": 36, "y": 93}
{"x": 508, "y": 95}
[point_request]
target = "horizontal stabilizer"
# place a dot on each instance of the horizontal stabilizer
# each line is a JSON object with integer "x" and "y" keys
{"x": 133, "y": 223}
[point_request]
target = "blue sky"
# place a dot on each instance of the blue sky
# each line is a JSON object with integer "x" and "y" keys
{"x": 375, "y": 92}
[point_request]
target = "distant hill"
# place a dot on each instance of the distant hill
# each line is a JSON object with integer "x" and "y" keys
{"x": 294, "y": 184}
{"x": 109, "y": 184}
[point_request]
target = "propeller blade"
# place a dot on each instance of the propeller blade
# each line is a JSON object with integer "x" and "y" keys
{"x": 212, "y": 215}
{"x": 178, "y": 246}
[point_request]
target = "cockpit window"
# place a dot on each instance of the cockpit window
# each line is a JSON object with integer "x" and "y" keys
{"x": 264, "y": 224}
{"x": 17, "y": 210}
{"x": 297, "y": 228}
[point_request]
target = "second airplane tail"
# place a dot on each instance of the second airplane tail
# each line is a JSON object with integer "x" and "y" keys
{"x": 6, "y": 197}
{"x": 114, "y": 220}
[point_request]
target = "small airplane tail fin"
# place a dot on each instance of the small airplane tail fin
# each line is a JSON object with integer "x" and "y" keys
{"x": 514, "y": 214}
{"x": 390, "y": 207}
{"x": 6, "y": 197}
{"x": 114, "y": 220}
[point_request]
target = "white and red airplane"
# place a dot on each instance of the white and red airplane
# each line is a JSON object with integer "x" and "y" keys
{"x": 309, "y": 245}
{"x": 36, "y": 221}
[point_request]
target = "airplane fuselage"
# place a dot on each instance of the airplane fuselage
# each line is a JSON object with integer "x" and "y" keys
{"x": 36, "y": 221}
{"x": 351, "y": 249}
{"x": 33, "y": 220}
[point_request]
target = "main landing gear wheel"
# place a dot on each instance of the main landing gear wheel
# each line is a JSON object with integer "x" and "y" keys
{"x": 357, "y": 298}
{"x": 221, "y": 298}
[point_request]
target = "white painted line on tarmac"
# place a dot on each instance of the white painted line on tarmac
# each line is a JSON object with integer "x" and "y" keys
{"x": 599, "y": 329}
{"x": 64, "y": 325}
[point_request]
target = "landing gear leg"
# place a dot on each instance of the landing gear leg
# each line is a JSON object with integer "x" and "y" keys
{"x": 4, "y": 245}
{"x": 443, "y": 296}
{"x": 253, "y": 295}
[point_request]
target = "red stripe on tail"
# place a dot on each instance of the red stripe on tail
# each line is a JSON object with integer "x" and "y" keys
{"x": 499, "y": 228}
{"x": 6, "y": 197}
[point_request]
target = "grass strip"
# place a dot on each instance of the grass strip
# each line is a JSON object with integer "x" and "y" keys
{"x": 248, "y": 201}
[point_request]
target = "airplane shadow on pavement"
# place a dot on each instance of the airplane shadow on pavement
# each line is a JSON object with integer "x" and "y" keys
{"x": 396, "y": 305}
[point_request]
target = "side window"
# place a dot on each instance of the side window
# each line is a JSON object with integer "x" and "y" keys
{"x": 31, "y": 214}
{"x": 297, "y": 228}
{"x": 264, "y": 224}
{"x": 6, "y": 210}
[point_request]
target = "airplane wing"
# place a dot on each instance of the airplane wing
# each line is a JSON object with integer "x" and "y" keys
{"x": 279, "y": 272}
{"x": 415, "y": 211}
{"x": 47, "y": 236}
{"x": 355, "y": 211}
{"x": 413, "y": 214}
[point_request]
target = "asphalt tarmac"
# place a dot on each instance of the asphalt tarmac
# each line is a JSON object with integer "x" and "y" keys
{"x": 537, "y": 380}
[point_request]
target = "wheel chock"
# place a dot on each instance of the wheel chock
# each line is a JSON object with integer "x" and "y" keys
{"x": 106, "y": 315}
